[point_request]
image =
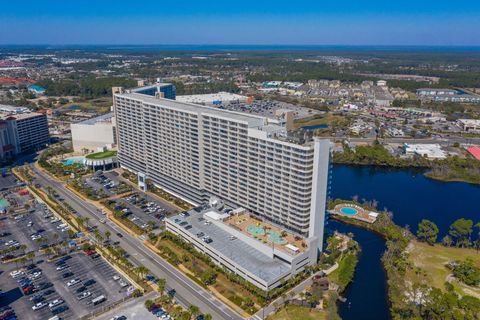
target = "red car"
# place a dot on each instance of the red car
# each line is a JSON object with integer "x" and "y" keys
{"x": 90, "y": 252}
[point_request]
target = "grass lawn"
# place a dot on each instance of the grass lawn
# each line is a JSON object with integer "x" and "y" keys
{"x": 432, "y": 260}
{"x": 292, "y": 312}
{"x": 101, "y": 155}
{"x": 345, "y": 271}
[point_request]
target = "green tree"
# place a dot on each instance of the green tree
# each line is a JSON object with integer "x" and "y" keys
{"x": 477, "y": 242}
{"x": 208, "y": 277}
{"x": 162, "y": 284}
{"x": 148, "y": 304}
{"x": 461, "y": 230}
{"x": 194, "y": 310}
{"x": 427, "y": 231}
{"x": 447, "y": 241}
{"x": 467, "y": 273}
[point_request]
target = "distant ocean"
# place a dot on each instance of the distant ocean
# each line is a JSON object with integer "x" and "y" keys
{"x": 199, "y": 47}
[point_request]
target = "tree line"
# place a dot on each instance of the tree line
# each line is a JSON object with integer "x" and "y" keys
{"x": 87, "y": 87}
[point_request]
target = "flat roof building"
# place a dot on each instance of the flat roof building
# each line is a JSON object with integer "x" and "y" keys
{"x": 431, "y": 151}
{"x": 469, "y": 125}
{"x": 444, "y": 95}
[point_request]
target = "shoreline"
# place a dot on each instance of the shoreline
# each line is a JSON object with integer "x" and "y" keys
{"x": 424, "y": 170}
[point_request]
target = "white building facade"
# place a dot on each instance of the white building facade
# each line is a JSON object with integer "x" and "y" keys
{"x": 94, "y": 133}
{"x": 196, "y": 151}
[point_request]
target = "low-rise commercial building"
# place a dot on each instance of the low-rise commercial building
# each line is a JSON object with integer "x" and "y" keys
{"x": 469, "y": 125}
{"x": 447, "y": 95}
{"x": 430, "y": 151}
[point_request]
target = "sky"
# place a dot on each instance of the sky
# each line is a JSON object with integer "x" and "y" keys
{"x": 347, "y": 22}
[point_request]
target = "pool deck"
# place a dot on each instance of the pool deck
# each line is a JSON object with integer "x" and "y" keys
{"x": 362, "y": 214}
{"x": 242, "y": 221}
{"x": 242, "y": 253}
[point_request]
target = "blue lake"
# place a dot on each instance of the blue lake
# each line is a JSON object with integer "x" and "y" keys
{"x": 411, "y": 197}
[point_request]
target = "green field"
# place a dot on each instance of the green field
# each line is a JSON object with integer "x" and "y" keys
{"x": 432, "y": 260}
{"x": 101, "y": 155}
{"x": 293, "y": 312}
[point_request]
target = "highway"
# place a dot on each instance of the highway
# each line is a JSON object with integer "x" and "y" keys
{"x": 186, "y": 291}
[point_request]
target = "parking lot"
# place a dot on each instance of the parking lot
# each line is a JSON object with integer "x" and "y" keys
{"x": 9, "y": 181}
{"x": 104, "y": 185}
{"x": 142, "y": 210}
{"x": 67, "y": 286}
{"x": 38, "y": 289}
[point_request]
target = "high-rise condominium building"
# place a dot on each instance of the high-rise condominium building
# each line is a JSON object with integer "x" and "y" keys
{"x": 21, "y": 132}
{"x": 196, "y": 152}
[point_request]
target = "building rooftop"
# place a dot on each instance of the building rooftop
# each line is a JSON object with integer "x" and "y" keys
{"x": 240, "y": 252}
{"x": 13, "y": 109}
{"x": 20, "y": 116}
{"x": 103, "y": 118}
{"x": 211, "y": 98}
{"x": 251, "y": 120}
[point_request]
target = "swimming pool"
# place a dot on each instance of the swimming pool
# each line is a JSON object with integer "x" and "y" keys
{"x": 73, "y": 160}
{"x": 256, "y": 230}
{"x": 275, "y": 237}
{"x": 349, "y": 211}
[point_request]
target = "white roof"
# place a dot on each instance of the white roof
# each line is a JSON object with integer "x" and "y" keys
{"x": 215, "y": 215}
{"x": 292, "y": 247}
{"x": 211, "y": 97}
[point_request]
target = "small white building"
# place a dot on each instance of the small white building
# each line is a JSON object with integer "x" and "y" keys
{"x": 430, "y": 151}
{"x": 469, "y": 125}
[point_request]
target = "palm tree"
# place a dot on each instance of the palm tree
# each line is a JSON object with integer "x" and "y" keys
{"x": 161, "y": 283}
{"x": 108, "y": 234}
{"x": 302, "y": 296}
{"x": 194, "y": 310}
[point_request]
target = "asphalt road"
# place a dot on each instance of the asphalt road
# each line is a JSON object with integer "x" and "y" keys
{"x": 187, "y": 292}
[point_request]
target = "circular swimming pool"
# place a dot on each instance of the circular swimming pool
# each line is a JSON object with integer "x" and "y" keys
{"x": 349, "y": 211}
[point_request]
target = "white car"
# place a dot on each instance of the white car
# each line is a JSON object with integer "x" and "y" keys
{"x": 39, "y": 306}
{"x": 62, "y": 267}
{"x": 116, "y": 277}
{"x": 35, "y": 276}
{"x": 16, "y": 273}
{"x": 30, "y": 223}
{"x": 84, "y": 295}
{"x": 55, "y": 302}
{"x": 72, "y": 282}
{"x": 123, "y": 284}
